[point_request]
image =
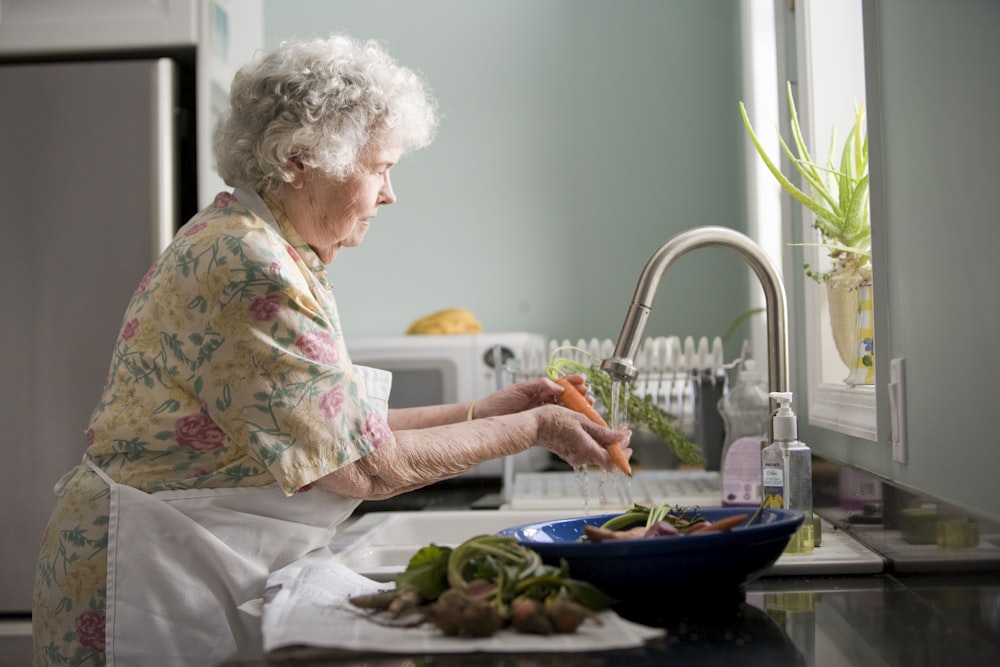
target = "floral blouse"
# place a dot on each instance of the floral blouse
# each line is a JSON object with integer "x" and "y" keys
{"x": 230, "y": 368}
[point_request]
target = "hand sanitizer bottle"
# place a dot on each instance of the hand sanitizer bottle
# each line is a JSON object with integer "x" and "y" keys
{"x": 786, "y": 472}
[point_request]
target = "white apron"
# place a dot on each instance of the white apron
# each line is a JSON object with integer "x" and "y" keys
{"x": 180, "y": 563}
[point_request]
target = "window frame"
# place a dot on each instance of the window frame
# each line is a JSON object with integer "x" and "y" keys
{"x": 830, "y": 68}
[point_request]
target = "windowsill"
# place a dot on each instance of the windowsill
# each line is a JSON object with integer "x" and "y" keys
{"x": 845, "y": 409}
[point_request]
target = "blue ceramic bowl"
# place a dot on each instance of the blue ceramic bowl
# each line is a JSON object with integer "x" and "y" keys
{"x": 640, "y": 569}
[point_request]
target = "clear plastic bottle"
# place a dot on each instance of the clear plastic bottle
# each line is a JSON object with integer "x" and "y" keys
{"x": 745, "y": 410}
{"x": 786, "y": 473}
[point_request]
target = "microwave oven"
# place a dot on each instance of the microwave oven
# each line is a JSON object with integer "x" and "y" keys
{"x": 455, "y": 368}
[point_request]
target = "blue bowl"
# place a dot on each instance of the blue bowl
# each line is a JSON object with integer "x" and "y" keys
{"x": 640, "y": 569}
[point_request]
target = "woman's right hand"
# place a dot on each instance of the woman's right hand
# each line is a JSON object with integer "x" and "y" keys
{"x": 577, "y": 440}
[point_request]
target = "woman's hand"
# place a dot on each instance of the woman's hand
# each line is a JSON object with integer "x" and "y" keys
{"x": 577, "y": 440}
{"x": 526, "y": 395}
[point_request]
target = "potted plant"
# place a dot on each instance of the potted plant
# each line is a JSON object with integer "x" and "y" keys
{"x": 838, "y": 197}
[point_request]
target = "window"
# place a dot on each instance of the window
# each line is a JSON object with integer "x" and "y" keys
{"x": 828, "y": 80}
{"x": 831, "y": 73}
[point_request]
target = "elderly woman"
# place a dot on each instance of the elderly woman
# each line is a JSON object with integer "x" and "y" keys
{"x": 233, "y": 433}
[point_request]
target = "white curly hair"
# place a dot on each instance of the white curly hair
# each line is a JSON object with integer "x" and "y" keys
{"x": 323, "y": 102}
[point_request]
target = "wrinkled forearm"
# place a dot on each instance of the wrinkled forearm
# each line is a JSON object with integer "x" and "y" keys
{"x": 404, "y": 419}
{"x": 416, "y": 458}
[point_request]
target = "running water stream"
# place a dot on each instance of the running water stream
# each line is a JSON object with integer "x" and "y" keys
{"x": 608, "y": 479}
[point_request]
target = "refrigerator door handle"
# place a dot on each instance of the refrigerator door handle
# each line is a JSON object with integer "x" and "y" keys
{"x": 163, "y": 109}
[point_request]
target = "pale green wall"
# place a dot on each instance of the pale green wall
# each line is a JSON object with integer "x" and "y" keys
{"x": 935, "y": 138}
{"x": 577, "y": 136}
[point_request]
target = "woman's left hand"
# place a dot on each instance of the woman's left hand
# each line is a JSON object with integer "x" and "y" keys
{"x": 526, "y": 395}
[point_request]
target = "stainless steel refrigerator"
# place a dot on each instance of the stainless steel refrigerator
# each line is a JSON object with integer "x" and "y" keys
{"x": 90, "y": 192}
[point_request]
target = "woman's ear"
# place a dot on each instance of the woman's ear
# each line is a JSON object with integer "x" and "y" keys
{"x": 298, "y": 170}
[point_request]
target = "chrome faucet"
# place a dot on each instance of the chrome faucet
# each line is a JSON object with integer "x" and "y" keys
{"x": 621, "y": 366}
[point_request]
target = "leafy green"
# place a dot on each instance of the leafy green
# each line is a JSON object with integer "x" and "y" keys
{"x": 501, "y": 566}
{"x": 426, "y": 572}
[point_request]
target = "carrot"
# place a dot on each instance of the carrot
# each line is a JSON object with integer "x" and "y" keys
{"x": 574, "y": 400}
{"x": 725, "y": 523}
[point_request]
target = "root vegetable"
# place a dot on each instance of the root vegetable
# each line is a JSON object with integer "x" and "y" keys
{"x": 727, "y": 523}
{"x": 528, "y": 615}
{"x": 662, "y": 529}
{"x": 406, "y": 600}
{"x": 446, "y": 613}
{"x": 456, "y": 613}
{"x": 599, "y": 534}
{"x": 574, "y": 400}
{"x": 566, "y": 615}
{"x": 376, "y": 601}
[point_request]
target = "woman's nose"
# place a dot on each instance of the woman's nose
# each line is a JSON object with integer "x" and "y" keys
{"x": 386, "y": 195}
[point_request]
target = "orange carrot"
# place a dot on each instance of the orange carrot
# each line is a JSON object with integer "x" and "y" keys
{"x": 725, "y": 523}
{"x": 574, "y": 400}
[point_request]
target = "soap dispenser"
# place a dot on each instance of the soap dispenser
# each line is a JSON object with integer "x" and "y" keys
{"x": 786, "y": 472}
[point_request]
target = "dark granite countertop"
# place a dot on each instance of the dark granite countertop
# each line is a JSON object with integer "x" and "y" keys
{"x": 890, "y": 619}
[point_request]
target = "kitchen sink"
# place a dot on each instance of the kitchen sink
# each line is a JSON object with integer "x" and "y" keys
{"x": 378, "y": 545}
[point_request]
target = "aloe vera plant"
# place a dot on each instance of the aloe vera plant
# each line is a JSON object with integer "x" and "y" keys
{"x": 838, "y": 196}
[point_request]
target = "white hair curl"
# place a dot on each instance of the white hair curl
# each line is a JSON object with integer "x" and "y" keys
{"x": 323, "y": 102}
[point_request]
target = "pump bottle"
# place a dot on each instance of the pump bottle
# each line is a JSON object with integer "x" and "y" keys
{"x": 786, "y": 472}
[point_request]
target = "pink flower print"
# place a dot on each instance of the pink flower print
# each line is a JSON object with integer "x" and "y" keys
{"x": 376, "y": 430}
{"x": 198, "y": 432}
{"x": 90, "y": 630}
{"x": 265, "y": 308}
{"x": 195, "y": 228}
{"x": 90, "y": 436}
{"x": 145, "y": 279}
{"x": 318, "y": 346}
{"x": 222, "y": 200}
{"x": 130, "y": 328}
{"x": 294, "y": 255}
{"x": 331, "y": 402}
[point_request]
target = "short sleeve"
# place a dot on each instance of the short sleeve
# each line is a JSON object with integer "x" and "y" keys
{"x": 276, "y": 378}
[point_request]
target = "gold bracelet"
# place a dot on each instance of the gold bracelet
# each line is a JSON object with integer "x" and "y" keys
{"x": 469, "y": 417}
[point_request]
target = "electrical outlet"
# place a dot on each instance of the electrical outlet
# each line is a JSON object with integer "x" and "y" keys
{"x": 897, "y": 409}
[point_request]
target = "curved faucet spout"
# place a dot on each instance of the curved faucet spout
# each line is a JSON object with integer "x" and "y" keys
{"x": 622, "y": 365}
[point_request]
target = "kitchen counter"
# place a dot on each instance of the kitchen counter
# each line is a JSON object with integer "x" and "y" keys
{"x": 927, "y": 607}
{"x": 857, "y": 621}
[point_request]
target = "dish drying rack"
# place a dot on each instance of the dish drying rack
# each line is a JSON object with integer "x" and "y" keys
{"x": 686, "y": 378}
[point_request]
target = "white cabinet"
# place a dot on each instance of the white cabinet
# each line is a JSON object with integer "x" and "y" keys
{"x": 49, "y": 26}
{"x": 224, "y": 34}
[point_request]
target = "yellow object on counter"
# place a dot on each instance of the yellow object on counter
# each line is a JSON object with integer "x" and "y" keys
{"x": 447, "y": 321}
{"x": 957, "y": 534}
